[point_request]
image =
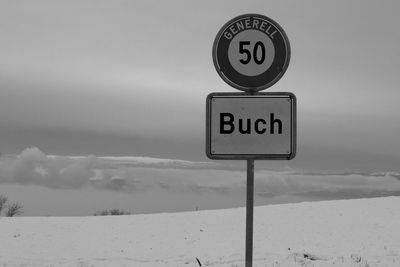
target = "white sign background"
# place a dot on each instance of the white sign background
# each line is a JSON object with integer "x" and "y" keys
{"x": 253, "y": 107}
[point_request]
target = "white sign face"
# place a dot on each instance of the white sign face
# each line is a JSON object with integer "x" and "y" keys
{"x": 243, "y": 126}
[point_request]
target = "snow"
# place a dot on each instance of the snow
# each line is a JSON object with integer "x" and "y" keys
{"x": 363, "y": 232}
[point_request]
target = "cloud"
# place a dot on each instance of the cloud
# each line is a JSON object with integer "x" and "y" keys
{"x": 328, "y": 185}
{"x": 32, "y": 166}
{"x": 143, "y": 174}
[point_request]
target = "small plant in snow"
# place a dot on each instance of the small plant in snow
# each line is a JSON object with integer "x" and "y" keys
{"x": 118, "y": 212}
{"x": 101, "y": 213}
{"x": 111, "y": 212}
{"x": 3, "y": 201}
{"x": 13, "y": 209}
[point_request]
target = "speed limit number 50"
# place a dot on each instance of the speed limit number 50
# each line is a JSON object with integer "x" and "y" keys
{"x": 251, "y": 52}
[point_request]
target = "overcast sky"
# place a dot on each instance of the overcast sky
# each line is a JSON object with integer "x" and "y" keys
{"x": 131, "y": 77}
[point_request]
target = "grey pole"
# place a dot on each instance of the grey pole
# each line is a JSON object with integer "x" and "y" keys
{"x": 249, "y": 212}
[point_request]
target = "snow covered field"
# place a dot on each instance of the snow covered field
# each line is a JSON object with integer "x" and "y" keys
{"x": 363, "y": 232}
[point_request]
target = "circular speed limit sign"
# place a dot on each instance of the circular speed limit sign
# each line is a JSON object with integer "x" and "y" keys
{"x": 251, "y": 52}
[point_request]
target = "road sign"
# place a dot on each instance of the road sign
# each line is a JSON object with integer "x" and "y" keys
{"x": 251, "y": 52}
{"x": 244, "y": 126}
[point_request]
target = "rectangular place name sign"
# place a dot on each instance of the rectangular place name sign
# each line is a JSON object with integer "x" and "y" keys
{"x": 251, "y": 126}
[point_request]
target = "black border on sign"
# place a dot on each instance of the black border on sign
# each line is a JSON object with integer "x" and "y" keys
{"x": 250, "y": 83}
{"x": 293, "y": 135}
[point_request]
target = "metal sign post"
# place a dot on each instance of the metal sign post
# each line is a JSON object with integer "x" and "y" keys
{"x": 242, "y": 126}
{"x": 249, "y": 212}
{"x": 251, "y": 52}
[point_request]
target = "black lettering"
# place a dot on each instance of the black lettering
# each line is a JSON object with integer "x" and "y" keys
{"x": 248, "y": 130}
{"x": 223, "y": 122}
{"x": 243, "y": 50}
{"x": 255, "y": 53}
{"x": 257, "y": 124}
{"x": 272, "y": 122}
